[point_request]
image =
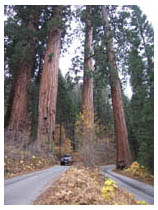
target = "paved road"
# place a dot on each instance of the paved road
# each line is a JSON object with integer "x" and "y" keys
{"x": 140, "y": 190}
{"x": 23, "y": 190}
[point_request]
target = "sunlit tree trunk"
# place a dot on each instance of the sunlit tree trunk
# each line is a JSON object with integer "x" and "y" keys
{"x": 87, "y": 93}
{"x": 17, "y": 111}
{"x": 123, "y": 150}
{"x": 49, "y": 83}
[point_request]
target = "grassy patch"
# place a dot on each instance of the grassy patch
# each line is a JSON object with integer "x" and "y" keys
{"x": 83, "y": 186}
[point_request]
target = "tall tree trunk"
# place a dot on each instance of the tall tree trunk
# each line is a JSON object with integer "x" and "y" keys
{"x": 17, "y": 112}
{"x": 87, "y": 150}
{"x": 87, "y": 93}
{"x": 49, "y": 83}
{"x": 123, "y": 150}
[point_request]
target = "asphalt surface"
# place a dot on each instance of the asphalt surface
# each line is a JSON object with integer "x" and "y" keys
{"x": 140, "y": 190}
{"x": 23, "y": 190}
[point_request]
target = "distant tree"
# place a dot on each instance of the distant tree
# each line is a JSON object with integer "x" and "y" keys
{"x": 67, "y": 107}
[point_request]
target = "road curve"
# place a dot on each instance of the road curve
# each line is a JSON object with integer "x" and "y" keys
{"x": 23, "y": 190}
{"x": 139, "y": 189}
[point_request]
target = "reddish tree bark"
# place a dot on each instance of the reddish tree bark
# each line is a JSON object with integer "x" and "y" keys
{"x": 49, "y": 83}
{"x": 87, "y": 93}
{"x": 17, "y": 112}
{"x": 123, "y": 150}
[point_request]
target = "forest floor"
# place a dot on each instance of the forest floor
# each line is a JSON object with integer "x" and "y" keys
{"x": 85, "y": 186}
{"x": 147, "y": 180}
{"x": 137, "y": 172}
{"x": 19, "y": 161}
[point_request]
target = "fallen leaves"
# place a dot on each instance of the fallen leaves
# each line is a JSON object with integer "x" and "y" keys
{"x": 108, "y": 190}
{"x": 138, "y": 172}
{"x": 142, "y": 203}
{"x": 83, "y": 186}
{"x": 19, "y": 161}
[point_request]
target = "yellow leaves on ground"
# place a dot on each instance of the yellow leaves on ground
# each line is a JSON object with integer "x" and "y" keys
{"x": 142, "y": 203}
{"x": 138, "y": 170}
{"x": 108, "y": 191}
{"x": 20, "y": 161}
{"x": 75, "y": 187}
{"x": 110, "y": 182}
{"x": 83, "y": 186}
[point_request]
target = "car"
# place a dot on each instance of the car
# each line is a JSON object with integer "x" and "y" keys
{"x": 66, "y": 160}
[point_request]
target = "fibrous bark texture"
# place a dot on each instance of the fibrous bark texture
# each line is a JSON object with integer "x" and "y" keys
{"x": 87, "y": 93}
{"x": 123, "y": 150}
{"x": 17, "y": 112}
{"x": 49, "y": 84}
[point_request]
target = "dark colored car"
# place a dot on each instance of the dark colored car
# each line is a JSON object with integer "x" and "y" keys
{"x": 66, "y": 160}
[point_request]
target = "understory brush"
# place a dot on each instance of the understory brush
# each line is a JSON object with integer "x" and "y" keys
{"x": 138, "y": 172}
{"x": 18, "y": 160}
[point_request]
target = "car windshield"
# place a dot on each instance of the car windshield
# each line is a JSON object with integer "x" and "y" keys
{"x": 66, "y": 155}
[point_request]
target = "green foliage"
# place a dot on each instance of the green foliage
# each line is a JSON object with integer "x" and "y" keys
{"x": 141, "y": 109}
{"x": 54, "y": 23}
{"x": 88, "y": 72}
{"x": 50, "y": 56}
{"x": 18, "y": 36}
{"x": 67, "y": 106}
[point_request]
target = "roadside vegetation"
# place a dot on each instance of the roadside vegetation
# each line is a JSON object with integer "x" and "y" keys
{"x": 138, "y": 172}
{"x": 18, "y": 161}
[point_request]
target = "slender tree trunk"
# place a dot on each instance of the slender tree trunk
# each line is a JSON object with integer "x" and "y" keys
{"x": 49, "y": 84}
{"x": 123, "y": 150}
{"x": 87, "y": 93}
{"x": 60, "y": 140}
{"x": 17, "y": 112}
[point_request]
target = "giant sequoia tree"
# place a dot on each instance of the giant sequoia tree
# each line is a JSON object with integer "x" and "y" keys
{"x": 48, "y": 86}
{"x": 21, "y": 64}
{"x": 123, "y": 150}
{"x": 87, "y": 93}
